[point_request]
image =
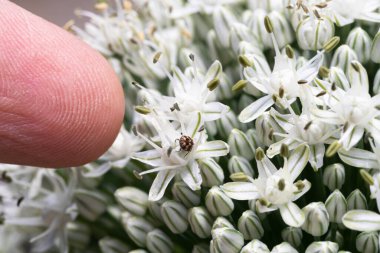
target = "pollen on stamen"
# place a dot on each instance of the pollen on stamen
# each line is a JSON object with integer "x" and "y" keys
{"x": 137, "y": 175}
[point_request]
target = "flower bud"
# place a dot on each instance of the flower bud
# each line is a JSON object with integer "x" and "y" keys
{"x": 78, "y": 234}
{"x": 255, "y": 246}
{"x": 184, "y": 194}
{"x": 338, "y": 77}
{"x": 317, "y": 219}
{"x": 359, "y": 40}
{"x": 240, "y": 164}
{"x": 221, "y": 222}
{"x": 245, "y": 101}
{"x": 367, "y": 242}
{"x": 343, "y": 56}
{"x": 200, "y": 221}
{"x": 356, "y": 200}
{"x": 376, "y": 83}
{"x": 223, "y": 22}
{"x": 137, "y": 229}
{"x": 357, "y": 74}
{"x": 155, "y": 208}
{"x": 253, "y": 138}
{"x": 250, "y": 226}
{"x": 338, "y": 238}
{"x": 292, "y": 235}
{"x": 138, "y": 251}
{"x": 226, "y": 240}
{"x": 112, "y": 245}
{"x": 225, "y": 124}
{"x": 312, "y": 33}
{"x": 212, "y": 173}
{"x": 174, "y": 215}
{"x": 218, "y": 203}
{"x": 132, "y": 199}
{"x": 90, "y": 204}
{"x": 322, "y": 247}
{"x": 375, "y": 49}
{"x": 201, "y": 248}
{"x": 158, "y": 242}
{"x": 336, "y": 206}
{"x": 264, "y": 129}
{"x": 334, "y": 176}
{"x": 284, "y": 248}
{"x": 240, "y": 144}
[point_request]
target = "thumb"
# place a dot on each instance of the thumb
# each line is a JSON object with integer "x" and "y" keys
{"x": 60, "y": 102}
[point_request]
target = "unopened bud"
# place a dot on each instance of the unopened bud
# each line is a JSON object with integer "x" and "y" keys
{"x": 342, "y": 58}
{"x": 375, "y": 49}
{"x": 240, "y": 164}
{"x": 292, "y": 235}
{"x": 78, "y": 235}
{"x": 250, "y": 226}
{"x": 201, "y": 248}
{"x": 317, "y": 219}
{"x": 174, "y": 215}
{"x": 157, "y": 242}
{"x": 240, "y": 144}
{"x": 226, "y": 240}
{"x": 359, "y": 40}
{"x": 334, "y": 176}
{"x": 314, "y": 34}
{"x": 85, "y": 199}
{"x": 367, "y": 242}
{"x": 323, "y": 247}
{"x": 212, "y": 173}
{"x": 284, "y": 248}
{"x": 132, "y": 199}
{"x": 336, "y": 206}
{"x": 200, "y": 221}
{"x": 137, "y": 229}
{"x": 255, "y": 246}
{"x": 356, "y": 200}
{"x": 112, "y": 245}
{"x": 184, "y": 194}
{"x": 218, "y": 203}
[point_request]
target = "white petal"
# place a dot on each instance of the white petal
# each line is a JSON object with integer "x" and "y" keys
{"x": 194, "y": 125}
{"x": 98, "y": 171}
{"x": 292, "y": 215}
{"x": 298, "y": 160}
{"x": 211, "y": 149}
{"x": 240, "y": 190}
{"x": 266, "y": 168}
{"x": 359, "y": 158}
{"x": 306, "y": 188}
{"x": 362, "y": 220}
{"x": 351, "y": 137}
{"x": 160, "y": 184}
{"x": 328, "y": 117}
{"x": 317, "y": 152}
{"x": 213, "y": 72}
{"x": 151, "y": 157}
{"x": 310, "y": 70}
{"x": 255, "y": 109}
{"x": 191, "y": 175}
{"x": 214, "y": 110}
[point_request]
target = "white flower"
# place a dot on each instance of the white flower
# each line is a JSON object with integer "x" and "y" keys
{"x": 353, "y": 110}
{"x": 48, "y": 204}
{"x": 171, "y": 158}
{"x": 118, "y": 155}
{"x": 282, "y": 86}
{"x": 275, "y": 189}
{"x": 200, "y": 6}
{"x": 299, "y": 130}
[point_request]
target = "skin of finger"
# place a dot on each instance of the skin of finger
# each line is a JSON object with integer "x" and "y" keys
{"x": 61, "y": 104}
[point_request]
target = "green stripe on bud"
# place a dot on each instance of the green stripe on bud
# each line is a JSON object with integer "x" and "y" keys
{"x": 218, "y": 203}
{"x": 250, "y": 226}
{"x": 157, "y": 242}
{"x": 331, "y": 44}
{"x": 174, "y": 215}
{"x": 356, "y": 200}
{"x": 241, "y": 84}
{"x": 142, "y": 109}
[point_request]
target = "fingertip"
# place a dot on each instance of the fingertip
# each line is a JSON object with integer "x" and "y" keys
{"x": 61, "y": 103}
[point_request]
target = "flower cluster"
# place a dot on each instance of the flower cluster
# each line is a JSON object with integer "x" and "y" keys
{"x": 251, "y": 126}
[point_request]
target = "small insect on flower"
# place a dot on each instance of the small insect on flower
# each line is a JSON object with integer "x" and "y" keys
{"x": 186, "y": 143}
